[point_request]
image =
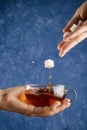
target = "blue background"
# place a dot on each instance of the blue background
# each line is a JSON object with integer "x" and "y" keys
{"x": 30, "y": 31}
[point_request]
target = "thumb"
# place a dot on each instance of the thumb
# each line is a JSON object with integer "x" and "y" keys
{"x": 55, "y": 105}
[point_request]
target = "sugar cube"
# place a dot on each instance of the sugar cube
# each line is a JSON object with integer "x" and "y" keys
{"x": 49, "y": 63}
{"x": 73, "y": 27}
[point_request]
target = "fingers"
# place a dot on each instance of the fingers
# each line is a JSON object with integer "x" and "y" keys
{"x": 55, "y": 105}
{"x": 65, "y": 104}
{"x": 72, "y": 39}
{"x": 45, "y": 111}
{"x": 60, "y": 44}
{"x": 80, "y": 14}
{"x": 66, "y": 46}
{"x": 51, "y": 110}
{"x": 74, "y": 20}
{"x": 79, "y": 30}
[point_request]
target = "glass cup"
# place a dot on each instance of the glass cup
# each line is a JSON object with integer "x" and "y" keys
{"x": 40, "y": 95}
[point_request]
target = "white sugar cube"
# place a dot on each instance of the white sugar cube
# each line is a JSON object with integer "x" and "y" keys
{"x": 59, "y": 90}
{"x": 73, "y": 27}
{"x": 49, "y": 63}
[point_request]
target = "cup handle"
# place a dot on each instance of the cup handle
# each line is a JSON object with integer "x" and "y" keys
{"x": 74, "y": 97}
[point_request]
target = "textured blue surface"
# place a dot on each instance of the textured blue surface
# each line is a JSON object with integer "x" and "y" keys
{"x": 30, "y": 31}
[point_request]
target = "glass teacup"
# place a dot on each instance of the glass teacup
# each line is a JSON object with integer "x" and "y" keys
{"x": 40, "y": 95}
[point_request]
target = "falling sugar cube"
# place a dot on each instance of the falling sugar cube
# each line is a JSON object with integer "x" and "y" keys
{"x": 49, "y": 63}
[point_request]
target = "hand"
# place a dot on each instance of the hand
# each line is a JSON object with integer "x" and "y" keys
{"x": 79, "y": 34}
{"x": 10, "y": 101}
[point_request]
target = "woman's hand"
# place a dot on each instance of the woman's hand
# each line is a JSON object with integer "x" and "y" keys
{"x": 10, "y": 101}
{"x": 78, "y": 35}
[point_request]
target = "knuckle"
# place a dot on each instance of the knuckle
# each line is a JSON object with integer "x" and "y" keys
{"x": 52, "y": 108}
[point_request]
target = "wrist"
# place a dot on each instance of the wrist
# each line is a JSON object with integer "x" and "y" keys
{"x": 1, "y": 95}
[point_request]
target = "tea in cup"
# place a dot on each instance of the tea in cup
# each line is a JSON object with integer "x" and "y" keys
{"x": 40, "y": 95}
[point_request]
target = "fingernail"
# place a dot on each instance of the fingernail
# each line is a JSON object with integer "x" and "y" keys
{"x": 69, "y": 100}
{"x": 61, "y": 55}
{"x": 69, "y": 104}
